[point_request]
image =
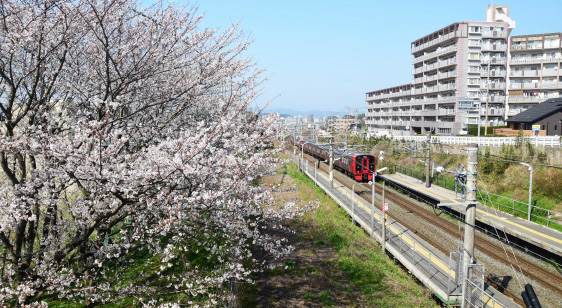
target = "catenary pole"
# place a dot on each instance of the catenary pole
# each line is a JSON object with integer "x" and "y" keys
{"x": 487, "y": 99}
{"x": 428, "y": 161}
{"x": 383, "y": 235}
{"x": 470, "y": 217}
{"x": 331, "y": 166}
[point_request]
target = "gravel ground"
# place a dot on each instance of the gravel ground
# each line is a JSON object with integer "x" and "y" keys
{"x": 493, "y": 268}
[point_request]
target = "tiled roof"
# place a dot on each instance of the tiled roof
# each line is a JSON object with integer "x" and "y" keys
{"x": 538, "y": 112}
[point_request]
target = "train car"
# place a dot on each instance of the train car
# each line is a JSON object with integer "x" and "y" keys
{"x": 358, "y": 166}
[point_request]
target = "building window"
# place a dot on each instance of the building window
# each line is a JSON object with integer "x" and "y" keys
{"x": 476, "y": 29}
{"x": 473, "y": 56}
{"x": 473, "y": 43}
{"x": 543, "y": 127}
{"x": 474, "y": 69}
{"x": 473, "y": 81}
{"x": 552, "y": 41}
{"x": 555, "y": 127}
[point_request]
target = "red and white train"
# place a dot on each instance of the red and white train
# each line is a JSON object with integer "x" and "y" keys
{"x": 358, "y": 166}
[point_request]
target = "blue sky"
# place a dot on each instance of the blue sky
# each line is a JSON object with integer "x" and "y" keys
{"x": 324, "y": 55}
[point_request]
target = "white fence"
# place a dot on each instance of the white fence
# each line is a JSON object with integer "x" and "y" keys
{"x": 552, "y": 141}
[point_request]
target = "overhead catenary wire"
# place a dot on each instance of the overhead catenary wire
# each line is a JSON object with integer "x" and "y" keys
{"x": 517, "y": 161}
{"x": 506, "y": 238}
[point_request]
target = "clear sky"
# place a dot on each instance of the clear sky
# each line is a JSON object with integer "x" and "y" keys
{"x": 324, "y": 54}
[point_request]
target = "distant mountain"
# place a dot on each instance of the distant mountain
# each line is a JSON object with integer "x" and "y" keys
{"x": 315, "y": 113}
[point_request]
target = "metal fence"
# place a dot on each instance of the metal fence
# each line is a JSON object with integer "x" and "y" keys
{"x": 520, "y": 209}
{"x": 397, "y": 237}
{"x": 516, "y": 208}
{"x": 552, "y": 141}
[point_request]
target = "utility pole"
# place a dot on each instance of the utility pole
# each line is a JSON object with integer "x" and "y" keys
{"x": 391, "y": 119}
{"x": 428, "y": 161}
{"x": 487, "y": 97}
{"x": 479, "y": 118}
{"x": 331, "y": 166}
{"x": 383, "y": 218}
{"x": 470, "y": 217}
{"x": 373, "y": 206}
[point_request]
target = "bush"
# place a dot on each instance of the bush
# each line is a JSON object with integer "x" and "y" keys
{"x": 473, "y": 130}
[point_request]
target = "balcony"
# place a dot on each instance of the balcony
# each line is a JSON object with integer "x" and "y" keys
{"x": 530, "y": 73}
{"x": 431, "y": 89}
{"x": 549, "y": 85}
{"x": 497, "y": 47}
{"x": 535, "y": 60}
{"x": 494, "y": 85}
{"x": 446, "y": 112}
{"x": 526, "y": 85}
{"x": 400, "y": 123}
{"x": 515, "y": 47}
{"x": 447, "y": 75}
{"x": 418, "y": 123}
{"x": 526, "y": 99}
{"x": 436, "y": 53}
{"x": 438, "y": 40}
{"x": 549, "y": 72}
{"x": 493, "y": 74}
{"x": 494, "y": 99}
{"x": 445, "y": 87}
{"x": 493, "y": 111}
{"x": 429, "y": 113}
{"x": 430, "y": 78}
{"x": 444, "y": 124}
{"x": 429, "y": 67}
{"x": 487, "y": 60}
{"x": 448, "y": 62}
{"x": 534, "y": 46}
{"x": 494, "y": 34}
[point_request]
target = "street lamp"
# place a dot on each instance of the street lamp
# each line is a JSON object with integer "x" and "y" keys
{"x": 372, "y": 183}
{"x": 530, "y": 187}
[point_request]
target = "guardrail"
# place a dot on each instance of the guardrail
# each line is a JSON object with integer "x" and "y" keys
{"x": 507, "y": 205}
{"x": 408, "y": 250}
{"x": 553, "y": 141}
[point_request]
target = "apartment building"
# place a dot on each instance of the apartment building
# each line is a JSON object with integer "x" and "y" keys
{"x": 343, "y": 124}
{"x": 460, "y": 77}
{"x": 534, "y": 70}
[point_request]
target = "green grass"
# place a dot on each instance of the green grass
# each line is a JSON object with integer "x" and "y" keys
{"x": 382, "y": 283}
{"x": 323, "y": 297}
{"x": 517, "y": 209}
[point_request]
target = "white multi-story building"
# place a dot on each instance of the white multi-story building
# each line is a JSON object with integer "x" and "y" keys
{"x": 534, "y": 70}
{"x": 460, "y": 69}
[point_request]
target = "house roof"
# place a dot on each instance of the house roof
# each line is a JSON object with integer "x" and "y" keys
{"x": 538, "y": 112}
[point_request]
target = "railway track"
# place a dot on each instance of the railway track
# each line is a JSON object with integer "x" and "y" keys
{"x": 548, "y": 279}
{"x": 542, "y": 276}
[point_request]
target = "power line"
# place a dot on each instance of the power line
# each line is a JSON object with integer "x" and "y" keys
{"x": 516, "y": 161}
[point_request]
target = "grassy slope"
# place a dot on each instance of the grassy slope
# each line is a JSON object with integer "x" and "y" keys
{"x": 368, "y": 272}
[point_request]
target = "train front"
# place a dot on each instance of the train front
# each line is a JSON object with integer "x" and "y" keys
{"x": 364, "y": 166}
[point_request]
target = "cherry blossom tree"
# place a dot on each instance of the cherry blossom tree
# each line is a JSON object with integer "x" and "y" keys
{"x": 127, "y": 142}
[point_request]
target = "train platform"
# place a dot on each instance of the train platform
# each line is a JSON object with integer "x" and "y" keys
{"x": 538, "y": 235}
{"x": 433, "y": 268}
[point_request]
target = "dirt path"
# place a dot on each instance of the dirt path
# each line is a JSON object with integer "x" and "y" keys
{"x": 309, "y": 277}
